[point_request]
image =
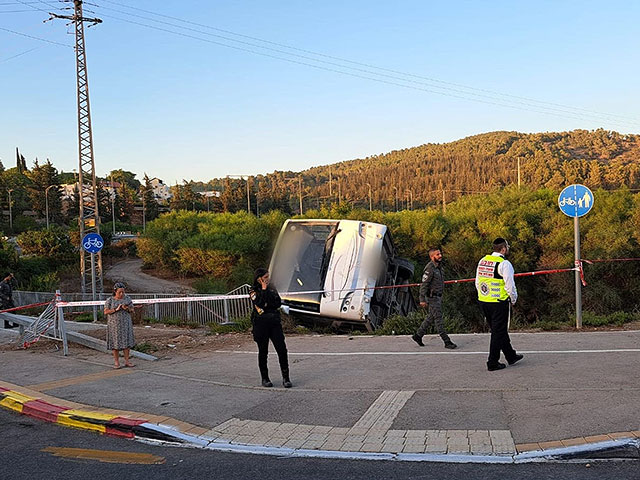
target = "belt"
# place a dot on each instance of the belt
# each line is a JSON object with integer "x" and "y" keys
{"x": 435, "y": 295}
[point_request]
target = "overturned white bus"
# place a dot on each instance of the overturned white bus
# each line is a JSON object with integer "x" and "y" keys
{"x": 325, "y": 271}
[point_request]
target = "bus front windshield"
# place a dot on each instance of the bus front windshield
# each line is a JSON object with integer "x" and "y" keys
{"x": 301, "y": 262}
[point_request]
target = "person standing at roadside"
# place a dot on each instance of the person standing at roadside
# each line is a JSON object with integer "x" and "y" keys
{"x": 6, "y": 296}
{"x": 497, "y": 293}
{"x": 118, "y": 309}
{"x": 265, "y": 318}
{"x": 431, "y": 290}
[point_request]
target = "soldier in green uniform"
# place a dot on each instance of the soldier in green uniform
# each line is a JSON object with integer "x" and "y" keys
{"x": 431, "y": 291}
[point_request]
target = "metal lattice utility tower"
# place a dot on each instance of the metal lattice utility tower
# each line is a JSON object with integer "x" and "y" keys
{"x": 89, "y": 219}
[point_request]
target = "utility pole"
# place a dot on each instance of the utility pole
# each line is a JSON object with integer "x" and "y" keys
{"x": 518, "y": 173}
{"x": 444, "y": 202}
{"x": 242, "y": 177}
{"x": 330, "y": 191}
{"x": 10, "y": 213}
{"x": 370, "y": 207}
{"x": 89, "y": 219}
{"x": 300, "y": 191}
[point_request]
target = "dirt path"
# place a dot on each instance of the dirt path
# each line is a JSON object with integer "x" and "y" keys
{"x": 129, "y": 272}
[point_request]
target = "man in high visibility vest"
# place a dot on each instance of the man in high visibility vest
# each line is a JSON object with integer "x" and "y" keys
{"x": 496, "y": 293}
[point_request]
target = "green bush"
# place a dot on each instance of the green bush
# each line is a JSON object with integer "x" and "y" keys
{"x": 44, "y": 282}
{"x": 211, "y": 285}
{"x": 54, "y": 243}
{"x": 590, "y": 319}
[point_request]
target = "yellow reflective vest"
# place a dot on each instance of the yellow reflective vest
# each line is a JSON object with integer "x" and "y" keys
{"x": 490, "y": 282}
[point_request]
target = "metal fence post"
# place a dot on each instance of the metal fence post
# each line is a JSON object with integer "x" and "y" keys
{"x": 189, "y": 311}
{"x": 156, "y": 308}
{"x": 226, "y": 310}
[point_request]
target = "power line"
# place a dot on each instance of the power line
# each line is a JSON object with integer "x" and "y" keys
{"x": 396, "y": 72}
{"x": 35, "y": 38}
{"x": 396, "y": 81}
{"x": 18, "y": 55}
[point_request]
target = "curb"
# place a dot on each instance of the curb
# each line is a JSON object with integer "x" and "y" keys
{"x": 167, "y": 431}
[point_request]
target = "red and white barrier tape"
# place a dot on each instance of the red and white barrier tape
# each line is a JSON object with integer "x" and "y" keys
{"x": 151, "y": 301}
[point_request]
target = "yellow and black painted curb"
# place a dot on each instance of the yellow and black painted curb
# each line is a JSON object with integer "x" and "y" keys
{"x": 27, "y": 402}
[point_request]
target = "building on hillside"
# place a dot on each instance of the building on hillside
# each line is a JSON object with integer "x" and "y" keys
{"x": 161, "y": 191}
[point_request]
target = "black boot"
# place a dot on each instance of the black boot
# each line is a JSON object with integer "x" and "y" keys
{"x": 447, "y": 342}
{"x": 286, "y": 382}
{"x": 266, "y": 382}
{"x": 418, "y": 339}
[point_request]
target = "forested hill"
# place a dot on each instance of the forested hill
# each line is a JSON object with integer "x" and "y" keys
{"x": 483, "y": 162}
{"x": 480, "y": 163}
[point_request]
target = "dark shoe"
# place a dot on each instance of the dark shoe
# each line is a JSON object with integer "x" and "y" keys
{"x": 515, "y": 359}
{"x": 450, "y": 345}
{"x": 417, "y": 339}
{"x": 495, "y": 366}
{"x": 286, "y": 383}
{"x": 266, "y": 383}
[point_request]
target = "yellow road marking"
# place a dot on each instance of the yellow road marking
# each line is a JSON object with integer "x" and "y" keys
{"x": 92, "y": 377}
{"x": 105, "y": 456}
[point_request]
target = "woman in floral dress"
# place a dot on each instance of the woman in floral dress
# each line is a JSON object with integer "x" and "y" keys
{"x": 118, "y": 309}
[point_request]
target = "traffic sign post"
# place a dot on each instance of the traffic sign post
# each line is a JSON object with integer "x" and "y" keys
{"x": 576, "y": 201}
{"x": 93, "y": 243}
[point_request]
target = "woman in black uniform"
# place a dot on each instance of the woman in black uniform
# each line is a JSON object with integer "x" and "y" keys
{"x": 265, "y": 318}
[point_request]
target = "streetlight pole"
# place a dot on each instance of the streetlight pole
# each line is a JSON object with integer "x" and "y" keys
{"x": 46, "y": 203}
{"x": 113, "y": 206}
{"x": 300, "y": 191}
{"x": 410, "y": 192}
{"x": 370, "y": 206}
{"x": 10, "y": 214}
{"x": 144, "y": 214}
{"x": 242, "y": 177}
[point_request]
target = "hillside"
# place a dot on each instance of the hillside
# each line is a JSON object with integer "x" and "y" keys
{"x": 479, "y": 163}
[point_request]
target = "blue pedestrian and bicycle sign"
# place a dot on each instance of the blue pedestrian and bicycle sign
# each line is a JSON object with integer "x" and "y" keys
{"x": 92, "y": 242}
{"x": 575, "y": 200}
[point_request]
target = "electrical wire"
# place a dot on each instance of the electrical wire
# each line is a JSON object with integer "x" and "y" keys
{"x": 18, "y": 55}
{"x": 466, "y": 87}
{"x": 396, "y": 82}
{"x": 36, "y": 38}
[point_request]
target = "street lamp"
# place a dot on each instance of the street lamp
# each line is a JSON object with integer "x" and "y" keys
{"x": 242, "y": 177}
{"x": 410, "y": 192}
{"x": 112, "y": 194}
{"x": 144, "y": 214}
{"x": 396, "y": 199}
{"x": 46, "y": 202}
{"x": 369, "y": 185}
{"x": 10, "y": 214}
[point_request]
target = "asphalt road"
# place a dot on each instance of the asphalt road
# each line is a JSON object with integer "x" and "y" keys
{"x": 129, "y": 272}
{"x": 23, "y": 440}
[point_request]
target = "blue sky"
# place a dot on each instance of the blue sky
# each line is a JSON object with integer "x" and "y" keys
{"x": 177, "y": 107}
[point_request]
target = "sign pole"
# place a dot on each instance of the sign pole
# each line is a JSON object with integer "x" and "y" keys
{"x": 576, "y": 201}
{"x": 93, "y": 286}
{"x": 576, "y": 250}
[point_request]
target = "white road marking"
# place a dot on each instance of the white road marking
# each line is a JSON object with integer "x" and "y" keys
{"x": 354, "y": 354}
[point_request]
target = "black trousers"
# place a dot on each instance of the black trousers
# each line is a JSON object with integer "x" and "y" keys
{"x": 497, "y": 315}
{"x": 265, "y": 329}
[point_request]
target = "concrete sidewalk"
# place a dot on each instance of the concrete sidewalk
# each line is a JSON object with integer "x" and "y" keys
{"x": 360, "y": 397}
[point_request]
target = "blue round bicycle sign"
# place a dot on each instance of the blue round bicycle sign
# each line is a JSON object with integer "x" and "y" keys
{"x": 92, "y": 242}
{"x": 575, "y": 200}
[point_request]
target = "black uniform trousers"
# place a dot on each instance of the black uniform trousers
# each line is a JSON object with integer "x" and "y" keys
{"x": 497, "y": 315}
{"x": 268, "y": 327}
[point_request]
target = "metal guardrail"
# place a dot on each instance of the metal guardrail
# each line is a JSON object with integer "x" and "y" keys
{"x": 192, "y": 310}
